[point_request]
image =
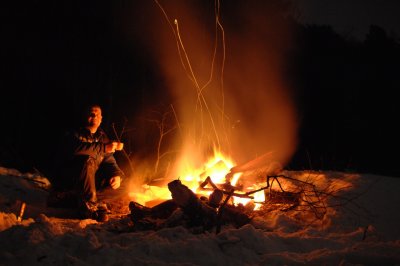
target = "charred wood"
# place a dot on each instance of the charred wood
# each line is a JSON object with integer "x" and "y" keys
{"x": 187, "y": 209}
{"x": 198, "y": 213}
{"x": 160, "y": 211}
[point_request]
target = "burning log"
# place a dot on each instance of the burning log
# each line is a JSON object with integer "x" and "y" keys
{"x": 225, "y": 188}
{"x": 199, "y": 213}
{"x": 215, "y": 198}
{"x": 264, "y": 161}
{"x": 185, "y": 208}
{"x": 196, "y": 211}
{"x": 202, "y": 213}
{"x": 211, "y": 213}
{"x": 160, "y": 211}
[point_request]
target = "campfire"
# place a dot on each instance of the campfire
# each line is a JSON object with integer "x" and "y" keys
{"x": 217, "y": 195}
{"x": 245, "y": 109}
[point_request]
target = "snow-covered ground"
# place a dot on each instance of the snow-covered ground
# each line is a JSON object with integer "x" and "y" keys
{"x": 364, "y": 229}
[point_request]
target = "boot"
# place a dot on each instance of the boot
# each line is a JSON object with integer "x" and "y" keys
{"x": 91, "y": 210}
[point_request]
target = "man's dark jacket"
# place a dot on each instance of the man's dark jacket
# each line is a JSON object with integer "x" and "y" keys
{"x": 82, "y": 144}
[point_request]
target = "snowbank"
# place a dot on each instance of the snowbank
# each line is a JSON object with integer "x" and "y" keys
{"x": 362, "y": 229}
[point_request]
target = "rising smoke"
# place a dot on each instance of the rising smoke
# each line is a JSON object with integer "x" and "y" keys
{"x": 223, "y": 62}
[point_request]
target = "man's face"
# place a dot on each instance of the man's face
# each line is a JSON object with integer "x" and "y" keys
{"x": 94, "y": 117}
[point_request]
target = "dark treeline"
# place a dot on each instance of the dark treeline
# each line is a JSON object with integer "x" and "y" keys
{"x": 347, "y": 95}
{"x": 57, "y": 57}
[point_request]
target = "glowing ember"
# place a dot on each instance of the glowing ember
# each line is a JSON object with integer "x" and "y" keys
{"x": 151, "y": 193}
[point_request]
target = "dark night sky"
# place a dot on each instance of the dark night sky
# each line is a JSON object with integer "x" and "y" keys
{"x": 57, "y": 55}
{"x": 352, "y": 17}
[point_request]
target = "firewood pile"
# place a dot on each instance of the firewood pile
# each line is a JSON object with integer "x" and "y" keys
{"x": 200, "y": 213}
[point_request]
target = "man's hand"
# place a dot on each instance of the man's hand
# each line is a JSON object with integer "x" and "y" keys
{"x": 110, "y": 147}
{"x": 115, "y": 182}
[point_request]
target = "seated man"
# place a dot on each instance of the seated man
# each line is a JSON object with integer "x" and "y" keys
{"x": 85, "y": 165}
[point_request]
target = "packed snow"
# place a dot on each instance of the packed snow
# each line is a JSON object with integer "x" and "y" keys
{"x": 361, "y": 227}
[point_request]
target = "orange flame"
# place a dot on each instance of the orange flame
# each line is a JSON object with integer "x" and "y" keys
{"x": 217, "y": 167}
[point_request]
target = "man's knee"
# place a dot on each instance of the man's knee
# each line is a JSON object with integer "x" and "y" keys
{"x": 85, "y": 162}
{"x": 90, "y": 161}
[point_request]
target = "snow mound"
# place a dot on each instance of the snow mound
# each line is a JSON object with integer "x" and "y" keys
{"x": 363, "y": 231}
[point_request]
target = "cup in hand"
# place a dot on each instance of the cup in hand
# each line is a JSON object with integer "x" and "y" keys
{"x": 120, "y": 146}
